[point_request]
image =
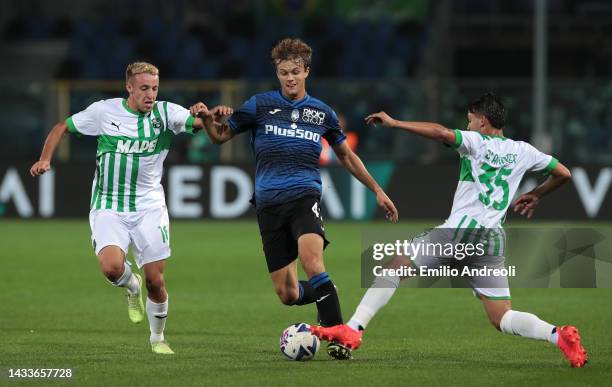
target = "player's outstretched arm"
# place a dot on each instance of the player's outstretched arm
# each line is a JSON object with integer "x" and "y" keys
{"x": 426, "y": 129}
{"x": 527, "y": 202}
{"x": 213, "y": 121}
{"x": 355, "y": 166}
{"x": 53, "y": 138}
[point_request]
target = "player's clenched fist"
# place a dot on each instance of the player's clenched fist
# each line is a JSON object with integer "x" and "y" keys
{"x": 40, "y": 167}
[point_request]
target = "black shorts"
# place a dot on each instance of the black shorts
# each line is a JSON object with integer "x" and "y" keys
{"x": 281, "y": 226}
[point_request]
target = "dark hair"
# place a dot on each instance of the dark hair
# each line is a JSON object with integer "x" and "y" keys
{"x": 292, "y": 49}
{"x": 491, "y": 106}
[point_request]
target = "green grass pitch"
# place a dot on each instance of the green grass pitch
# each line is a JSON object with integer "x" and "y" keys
{"x": 225, "y": 320}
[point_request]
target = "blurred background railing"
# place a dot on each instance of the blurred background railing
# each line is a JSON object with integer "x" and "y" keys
{"x": 417, "y": 59}
{"x": 579, "y": 117}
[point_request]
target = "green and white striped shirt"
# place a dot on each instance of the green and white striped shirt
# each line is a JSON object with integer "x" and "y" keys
{"x": 132, "y": 147}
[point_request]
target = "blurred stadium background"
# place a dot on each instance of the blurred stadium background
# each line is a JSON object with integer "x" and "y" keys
{"x": 417, "y": 59}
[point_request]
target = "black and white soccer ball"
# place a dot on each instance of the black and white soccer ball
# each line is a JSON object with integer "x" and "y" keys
{"x": 297, "y": 343}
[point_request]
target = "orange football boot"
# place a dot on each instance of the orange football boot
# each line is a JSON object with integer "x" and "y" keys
{"x": 342, "y": 334}
{"x": 569, "y": 343}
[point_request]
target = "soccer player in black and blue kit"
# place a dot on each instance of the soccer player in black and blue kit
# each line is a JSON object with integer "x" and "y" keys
{"x": 287, "y": 127}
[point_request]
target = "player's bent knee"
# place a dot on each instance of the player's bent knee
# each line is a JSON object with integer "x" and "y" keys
{"x": 112, "y": 270}
{"x": 112, "y": 262}
{"x": 287, "y": 296}
{"x": 155, "y": 283}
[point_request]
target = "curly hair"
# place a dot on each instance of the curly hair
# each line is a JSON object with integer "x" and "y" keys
{"x": 292, "y": 49}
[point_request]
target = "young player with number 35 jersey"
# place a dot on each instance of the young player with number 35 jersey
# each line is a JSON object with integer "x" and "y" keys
{"x": 492, "y": 167}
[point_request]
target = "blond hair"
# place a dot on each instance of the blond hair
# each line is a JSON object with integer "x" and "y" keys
{"x": 140, "y": 68}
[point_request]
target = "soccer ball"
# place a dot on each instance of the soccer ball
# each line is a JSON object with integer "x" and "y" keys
{"x": 297, "y": 343}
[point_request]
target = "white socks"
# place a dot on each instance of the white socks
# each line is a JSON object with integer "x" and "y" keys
{"x": 513, "y": 322}
{"x": 127, "y": 280}
{"x": 527, "y": 325}
{"x": 377, "y": 296}
{"x": 157, "y": 314}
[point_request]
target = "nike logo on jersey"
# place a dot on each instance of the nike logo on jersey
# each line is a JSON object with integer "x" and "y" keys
{"x": 274, "y": 111}
{"x": 324, "y": 297}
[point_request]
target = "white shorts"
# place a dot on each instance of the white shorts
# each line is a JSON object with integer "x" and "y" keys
{"x": 492, "y": 288}
{"x": 147, "y": 231}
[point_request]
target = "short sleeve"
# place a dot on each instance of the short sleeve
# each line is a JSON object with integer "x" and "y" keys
{"x": 334, "y": 134}
{"x": 540, "y": 162}
{"x": 179, "y": 118}
{"x": 244, "y": 117}
{"x": 86, "y": 122}
{"x": 467, "y": 142}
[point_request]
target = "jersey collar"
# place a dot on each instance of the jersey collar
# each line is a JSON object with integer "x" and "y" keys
{"x": 294, "y": 103}
{"x": 125, "y": 105}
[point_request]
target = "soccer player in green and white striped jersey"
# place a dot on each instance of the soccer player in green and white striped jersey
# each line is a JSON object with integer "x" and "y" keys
{"x": 492, "y": 167}
{"x": 127, "y": 199}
